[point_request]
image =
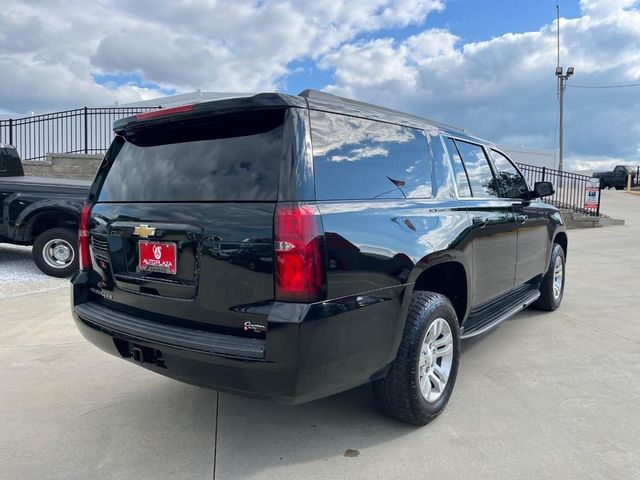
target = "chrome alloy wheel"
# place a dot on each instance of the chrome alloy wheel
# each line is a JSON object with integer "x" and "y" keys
{"x": 58, "y": 253}
{"x": 436, "y": 358}
{"x": 558, "y": 278}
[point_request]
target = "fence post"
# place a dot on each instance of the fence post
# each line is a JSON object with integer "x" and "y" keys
{"x": 86, "y": 132}
{"x": 11, "y": 131}
{"x": 544, "y": 172}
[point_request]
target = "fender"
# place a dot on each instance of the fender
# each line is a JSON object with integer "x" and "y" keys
{"x": 424, "y": 264}
{"x": 21, "y": 230}
{"x": 556, "y": 232}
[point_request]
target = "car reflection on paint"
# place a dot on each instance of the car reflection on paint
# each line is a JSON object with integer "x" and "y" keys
{"x": 256, "y": 254}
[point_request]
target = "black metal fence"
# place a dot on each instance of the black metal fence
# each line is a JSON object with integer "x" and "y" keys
{"x": 82, "y": 130}
{"x": 571, "y": 188}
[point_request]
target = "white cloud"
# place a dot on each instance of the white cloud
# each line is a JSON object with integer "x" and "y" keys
{"x": 504, "y": 88}
{"x": 360, "y": 153}
{"x": 49, "y": 51}
{"x": 590, "y": 164}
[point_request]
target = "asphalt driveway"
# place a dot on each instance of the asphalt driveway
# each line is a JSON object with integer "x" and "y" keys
{"x": 542, "y": 396}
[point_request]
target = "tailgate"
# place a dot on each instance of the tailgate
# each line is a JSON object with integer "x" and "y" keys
{"x": 182, "y": 220}
{"x": 223, "y": 275}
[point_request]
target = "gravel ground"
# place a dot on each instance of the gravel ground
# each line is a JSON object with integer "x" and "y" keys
{"x": 20, "y": 276}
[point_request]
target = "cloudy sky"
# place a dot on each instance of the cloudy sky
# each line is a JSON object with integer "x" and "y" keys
{"x": 487, "y": 66}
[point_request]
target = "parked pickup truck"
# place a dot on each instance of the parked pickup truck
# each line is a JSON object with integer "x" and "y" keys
{"x": 617, "y": 178}
{"x": 42, "y": 212}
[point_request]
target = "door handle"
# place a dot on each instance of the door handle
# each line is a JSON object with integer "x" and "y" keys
{"x": 480, "y": 221}
{"x": 521, "y": 218}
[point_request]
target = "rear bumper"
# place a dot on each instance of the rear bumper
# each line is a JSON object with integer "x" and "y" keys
{"x": 311, "y": 351}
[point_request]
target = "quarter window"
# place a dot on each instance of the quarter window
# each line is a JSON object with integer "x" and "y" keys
{"x": 483, "y": 183}
{"x": 511, "y": 183}
{"x": 357, "y": 159}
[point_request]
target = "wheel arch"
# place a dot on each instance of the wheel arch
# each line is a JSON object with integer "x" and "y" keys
{"x": 561, "y": 239}
{"x": 37, "y": 220}
{"x": 450, "y": 279}
{"x": 427, "y": 275}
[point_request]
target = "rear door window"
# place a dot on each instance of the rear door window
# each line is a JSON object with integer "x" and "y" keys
{"x": 356, "y": 159}
{"x": 458, "y": 168}
{"x": 511, "y": 183}
{"x": 481, "y": 179}
{"x": 230, "y": 158}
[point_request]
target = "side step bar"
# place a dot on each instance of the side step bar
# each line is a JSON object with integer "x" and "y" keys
{"x": 492, "y": 315}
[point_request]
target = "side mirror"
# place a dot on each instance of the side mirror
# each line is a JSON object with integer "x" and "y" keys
{"x": 542, "y": 189}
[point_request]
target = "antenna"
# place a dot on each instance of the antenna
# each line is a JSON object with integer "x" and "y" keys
{"x": 558, "y": 30}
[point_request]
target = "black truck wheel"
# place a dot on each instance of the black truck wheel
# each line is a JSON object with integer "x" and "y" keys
{"x": 55, "y": 252}
{"x": 552, "y": 286}
{"x": 419, "y": 383}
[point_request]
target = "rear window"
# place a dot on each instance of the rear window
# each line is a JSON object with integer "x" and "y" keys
{"x": 228, "y": 158}
{"x": 357, "y": 159}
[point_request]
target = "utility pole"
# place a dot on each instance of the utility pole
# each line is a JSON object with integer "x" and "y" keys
{"x": 562, "y": 86}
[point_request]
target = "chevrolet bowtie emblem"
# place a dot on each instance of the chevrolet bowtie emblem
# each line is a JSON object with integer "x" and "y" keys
{"x": 144, "y": 231}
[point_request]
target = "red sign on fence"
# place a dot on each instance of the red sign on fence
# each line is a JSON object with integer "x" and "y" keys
{"x": 592, "y": 194}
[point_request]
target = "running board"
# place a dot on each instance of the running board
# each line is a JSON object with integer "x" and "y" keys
{"x": 492, "y": 315}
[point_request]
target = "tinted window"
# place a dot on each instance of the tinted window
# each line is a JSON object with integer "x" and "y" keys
{"x": 458, "y": 168}
{"x": 511, "y": 183}
{"x": 442, "y": 177}
{"x": 232, "y": 158}
{"x": 356, "y": 158}
{"x": 483, "y": 184}
{"x": 3, "y": 161}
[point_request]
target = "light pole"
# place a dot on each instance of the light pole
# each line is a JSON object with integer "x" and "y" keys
{"x": 562, "y": 86}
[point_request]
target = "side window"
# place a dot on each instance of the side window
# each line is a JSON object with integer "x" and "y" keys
{"x": 483, "y": 183}
{"x": 3, "y": 161}
{"x": 511, "y": 183}
{"x": 458, "y": 168}
{"x": 443, "y": 178}
{"x": 357, "y": 159}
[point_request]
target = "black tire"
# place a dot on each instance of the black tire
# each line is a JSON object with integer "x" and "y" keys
{"x": 548, "y": 301}
{"x": 399, "y": 394}
{"x": 65, "y": 237}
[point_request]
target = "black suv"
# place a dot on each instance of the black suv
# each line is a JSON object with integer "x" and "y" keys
{"x": 293, "y": 247}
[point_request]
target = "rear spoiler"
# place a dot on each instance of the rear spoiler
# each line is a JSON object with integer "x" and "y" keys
{"x": 262, "y": 101}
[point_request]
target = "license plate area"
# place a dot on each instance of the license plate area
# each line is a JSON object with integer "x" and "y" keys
{"x": 157, "y": 257}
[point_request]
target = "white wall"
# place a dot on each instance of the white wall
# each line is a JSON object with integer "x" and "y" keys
{"x": 530, "y": 156}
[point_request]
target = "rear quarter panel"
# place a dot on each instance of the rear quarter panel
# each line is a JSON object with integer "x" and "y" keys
{"x": 375, "y": 252}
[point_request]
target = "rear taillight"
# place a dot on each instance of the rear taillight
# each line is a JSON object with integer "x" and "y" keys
{"x": 298, "y": 249}
{"x": 83, "y": 238}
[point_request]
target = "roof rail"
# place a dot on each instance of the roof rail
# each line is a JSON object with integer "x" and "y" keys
{"x": 335, "y": 99}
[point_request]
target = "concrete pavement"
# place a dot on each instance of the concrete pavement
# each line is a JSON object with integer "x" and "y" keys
{"x": 542, "y": 396}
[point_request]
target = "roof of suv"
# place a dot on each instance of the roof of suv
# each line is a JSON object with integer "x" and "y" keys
{"x": 314, "y": 99}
